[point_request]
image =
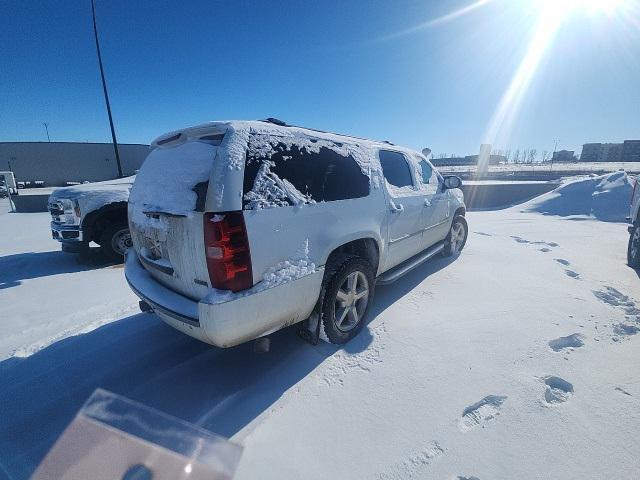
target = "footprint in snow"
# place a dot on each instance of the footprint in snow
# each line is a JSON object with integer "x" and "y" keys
{"x": 615, "y": 298}
{"x": 625, "y": 330}
{"x": 467, "y": 478}
{"x": 481, "y": 412}
{"x": 415, "y": 465}
{"x": 539, "y": 242}
{"x": 545, "y": 249}
{"x": 482, "y": 233}
{"x": 572, "y": 274}
{"x": 574, "y": 340}
{"x": 557, "y": 389}
{"x": 562, "y": 261}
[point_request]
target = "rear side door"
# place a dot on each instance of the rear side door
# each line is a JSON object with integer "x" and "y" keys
{"x": 406, "y": 220}
{"x": 437, "y": 202}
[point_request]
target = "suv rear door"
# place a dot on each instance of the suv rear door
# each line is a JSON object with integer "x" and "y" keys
{"x": 166, "y": 207}
{"x": 407, "y": 204}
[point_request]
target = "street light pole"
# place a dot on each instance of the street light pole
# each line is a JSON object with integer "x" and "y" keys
{"x": 46, "y": 127}
{"x": 104, "y": 89}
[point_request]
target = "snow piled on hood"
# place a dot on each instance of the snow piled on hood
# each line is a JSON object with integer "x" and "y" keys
{"x": 92, "y": 196}
{"x": 604, "y": 197}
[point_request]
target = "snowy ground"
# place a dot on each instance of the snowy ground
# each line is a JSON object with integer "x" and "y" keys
{"x": 516, "y": 360}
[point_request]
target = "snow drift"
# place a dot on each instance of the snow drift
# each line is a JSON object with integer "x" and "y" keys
{"x": 604, "y": 198}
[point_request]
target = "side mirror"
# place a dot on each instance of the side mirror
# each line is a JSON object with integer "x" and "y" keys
{"x": 452, "y": 182}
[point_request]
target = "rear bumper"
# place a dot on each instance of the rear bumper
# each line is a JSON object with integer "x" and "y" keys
{"x": 224, "y": 319}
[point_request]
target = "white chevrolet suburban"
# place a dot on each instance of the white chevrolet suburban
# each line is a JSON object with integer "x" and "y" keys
{"x": 241, "y": 228}
{"x": 633, "y": 250}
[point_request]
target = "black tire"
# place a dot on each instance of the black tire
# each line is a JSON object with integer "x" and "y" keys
{"x": 114, "y": 241}
{"x": 633, "y": 250}
{"x": 341, "y": 330}
{"x": 451, "y": 247}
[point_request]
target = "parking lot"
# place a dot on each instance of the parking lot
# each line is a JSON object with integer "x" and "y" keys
{"x": 525, "y": 343}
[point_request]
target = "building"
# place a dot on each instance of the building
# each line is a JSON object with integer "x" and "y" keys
{"x": 57, "y": 163}
{"x": 564, "y": 156}
{"x": 627, "y": 151}
{"x": 631, "y": 151}
{"x": 465, "y": 161}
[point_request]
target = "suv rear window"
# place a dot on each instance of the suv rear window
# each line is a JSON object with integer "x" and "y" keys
{"x": 395, "y": 168}
{"x": 290, "y": 174}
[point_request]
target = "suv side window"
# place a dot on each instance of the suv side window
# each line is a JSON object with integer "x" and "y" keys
{"x": 289, "y": 174}
{"x": 395, "y": 168}
{"x": 429, "y": 177}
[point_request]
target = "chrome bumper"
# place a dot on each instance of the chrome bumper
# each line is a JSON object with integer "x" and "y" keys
{"x": 222, "y": 321}
{"x": 66, "y": 233}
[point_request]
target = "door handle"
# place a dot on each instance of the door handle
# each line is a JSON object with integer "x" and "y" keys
{"x": 396, "y": 208}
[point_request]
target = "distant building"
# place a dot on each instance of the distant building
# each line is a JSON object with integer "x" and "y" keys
{"x": 628, "y": 151}
{"x": 631, "y": 151}
{"x": 56, "y": 163}
{"x": 468, "y": 160}
{"x": 564, "y": 156}
{"x": 452, "y": 161}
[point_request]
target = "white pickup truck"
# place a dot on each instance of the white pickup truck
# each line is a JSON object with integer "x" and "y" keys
{"x": 242, "y": 228}
{"x": 633, "y": 250}
{"x": 92, "y": 212}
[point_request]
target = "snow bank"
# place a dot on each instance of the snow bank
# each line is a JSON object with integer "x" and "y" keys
{"x": 604, "y": 198}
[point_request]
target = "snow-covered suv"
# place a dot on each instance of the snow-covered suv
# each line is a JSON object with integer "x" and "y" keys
{"x": 92, "y": 212}
{"x": 242, "y": 228}
{"x": 633, "y": 250}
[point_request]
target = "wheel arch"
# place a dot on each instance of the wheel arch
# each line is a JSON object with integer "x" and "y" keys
{"x": 366, "y": 247}
{"x": 95, "y": 222}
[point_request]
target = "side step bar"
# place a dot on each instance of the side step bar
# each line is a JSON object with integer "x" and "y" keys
{"x": 405, "y": 267}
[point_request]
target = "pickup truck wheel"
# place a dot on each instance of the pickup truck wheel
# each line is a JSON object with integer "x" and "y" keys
{"x": 633, "y": 251}
{"x": 115, "y": 240}
{"x": 347, "y": 298}
{"x": 457, "y": 237}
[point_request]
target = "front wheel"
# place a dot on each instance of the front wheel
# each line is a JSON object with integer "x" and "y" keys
{"x": 347, "y": 298}
{"x": 633, "y": 251}
{"x": 457, "y": 237}
{"x": 115, "y": 240}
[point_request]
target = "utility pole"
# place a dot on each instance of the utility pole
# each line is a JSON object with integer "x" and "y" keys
{"x": 46, "y": 127}
{"x": 104, "y": 88}
{"x": 555, "y": 146}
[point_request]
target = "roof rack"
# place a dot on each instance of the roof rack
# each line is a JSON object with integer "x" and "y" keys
{"x": 275, "y": 121}
{"x": 281, "y": 123}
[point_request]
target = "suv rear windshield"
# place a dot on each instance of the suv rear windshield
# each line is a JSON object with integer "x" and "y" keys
{"x": 291, "y": 174}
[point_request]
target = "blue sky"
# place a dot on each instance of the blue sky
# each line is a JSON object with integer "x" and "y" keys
{"x": 330, "y": 65}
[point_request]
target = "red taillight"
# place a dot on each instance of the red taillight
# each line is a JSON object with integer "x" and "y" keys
{"x": 227, "y": 251}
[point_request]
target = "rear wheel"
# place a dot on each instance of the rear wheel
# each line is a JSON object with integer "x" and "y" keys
{"x": 633, "y": 251}
{"x": 347, "y": 298}
{"x": 457, "y": 237}
{"x": 115, "y": 240}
